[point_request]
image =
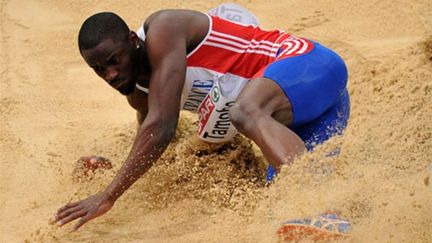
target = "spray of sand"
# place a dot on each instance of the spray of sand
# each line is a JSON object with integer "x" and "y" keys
{"x": 54, "y": 110}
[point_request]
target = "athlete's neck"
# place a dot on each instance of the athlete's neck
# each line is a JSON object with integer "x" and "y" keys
{"x": 144, "y": 66}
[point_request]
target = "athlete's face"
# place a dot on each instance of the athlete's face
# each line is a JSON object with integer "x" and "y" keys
{"x": 116, "y": 62}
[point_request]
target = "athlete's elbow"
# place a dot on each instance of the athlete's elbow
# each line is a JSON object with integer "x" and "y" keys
{"x": 162, "y": 126}
{"x": 160, "y": 133}
{"x": 166, "y": 132}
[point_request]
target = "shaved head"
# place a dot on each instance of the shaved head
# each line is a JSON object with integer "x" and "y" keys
{"x": 99, "y": 27}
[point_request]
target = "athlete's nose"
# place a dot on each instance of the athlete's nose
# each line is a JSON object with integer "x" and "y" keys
{"x": 111, "y": 74}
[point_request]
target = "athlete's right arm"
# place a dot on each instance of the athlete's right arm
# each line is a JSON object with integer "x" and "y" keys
{"x": 168, "y": 62}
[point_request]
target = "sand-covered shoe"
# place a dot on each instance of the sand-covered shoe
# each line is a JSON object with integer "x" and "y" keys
{"x": 327, "y": 226}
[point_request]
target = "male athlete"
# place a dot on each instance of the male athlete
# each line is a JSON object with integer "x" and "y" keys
{"x": 284, "y": 92}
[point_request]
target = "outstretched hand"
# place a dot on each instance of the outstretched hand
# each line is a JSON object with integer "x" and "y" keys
{"x": 86, "y": 209}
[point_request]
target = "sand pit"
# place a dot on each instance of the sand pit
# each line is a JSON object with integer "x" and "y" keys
{"x": 54, "y": 110}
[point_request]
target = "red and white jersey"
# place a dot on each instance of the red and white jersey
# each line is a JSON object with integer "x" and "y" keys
{"x": 232, "y": 54}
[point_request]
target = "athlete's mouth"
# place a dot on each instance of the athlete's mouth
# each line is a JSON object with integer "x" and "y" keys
{"x": 117, "y": 84}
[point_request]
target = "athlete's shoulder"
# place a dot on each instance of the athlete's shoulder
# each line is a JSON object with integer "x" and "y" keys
{"x": 170, "y": 15}
{"x": 175, "y": 26}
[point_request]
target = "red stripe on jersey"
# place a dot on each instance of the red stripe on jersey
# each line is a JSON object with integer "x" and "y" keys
{"x": 243, "y": 50}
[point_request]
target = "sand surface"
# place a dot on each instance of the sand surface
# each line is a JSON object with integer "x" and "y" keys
{"x": 54, "y": 109}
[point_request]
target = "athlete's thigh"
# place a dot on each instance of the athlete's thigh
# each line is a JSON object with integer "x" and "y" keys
{"x": 263, "y": 96}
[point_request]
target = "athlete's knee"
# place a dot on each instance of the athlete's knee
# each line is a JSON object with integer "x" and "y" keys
{"x": 244, "y": 115}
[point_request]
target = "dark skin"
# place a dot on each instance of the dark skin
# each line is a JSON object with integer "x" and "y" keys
{"x": 261, "y": 113}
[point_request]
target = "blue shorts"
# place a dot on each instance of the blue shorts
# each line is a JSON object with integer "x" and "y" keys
{"x": 315, "y": 84}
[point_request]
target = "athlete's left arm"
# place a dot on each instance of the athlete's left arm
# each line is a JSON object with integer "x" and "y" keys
{"x": 166, "y": 46}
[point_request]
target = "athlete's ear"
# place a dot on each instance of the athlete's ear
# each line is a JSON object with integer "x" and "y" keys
{"x": 134, "y": 39}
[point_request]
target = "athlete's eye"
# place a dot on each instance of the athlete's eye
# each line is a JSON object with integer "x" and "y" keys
{"x": 113, "y": 61}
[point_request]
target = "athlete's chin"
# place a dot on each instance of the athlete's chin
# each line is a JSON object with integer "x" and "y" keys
{"x": 127, "y": 90}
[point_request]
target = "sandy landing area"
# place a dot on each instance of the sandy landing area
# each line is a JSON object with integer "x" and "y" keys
{"x": 54, "y": 109}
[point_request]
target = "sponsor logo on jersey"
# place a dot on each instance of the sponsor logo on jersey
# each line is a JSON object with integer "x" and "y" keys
{"x": 215, "y": 94}
{"x": 204, "y": 111}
